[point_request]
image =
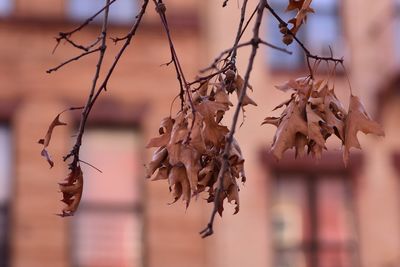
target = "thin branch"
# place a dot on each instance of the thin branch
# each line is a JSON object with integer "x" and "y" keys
{"x": 93, "y": 96}
{"x": 241, "y": 31}
{"x": 225, "y": 163}
{"x": 73, "y": 59}
{"x": 128, "y": 40}
{"x": 86, "y": 22}
{"x": 86, "y": 110}
{"x": 90, "y": 165}
{"x": 228, "y": 51}
{"x": 161, "y": 9}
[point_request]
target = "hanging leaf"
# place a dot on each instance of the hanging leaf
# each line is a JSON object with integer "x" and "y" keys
{"x": 71, "y": 188}
{"x": 46, "y": 140}
{"x": 358, "y": 120}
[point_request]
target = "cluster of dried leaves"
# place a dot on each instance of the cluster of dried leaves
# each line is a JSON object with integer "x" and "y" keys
{"x": 190, "y": 146}
{"x": 313, "y": 114}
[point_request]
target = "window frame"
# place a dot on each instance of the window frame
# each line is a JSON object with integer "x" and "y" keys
{"x": 331, "y": 164}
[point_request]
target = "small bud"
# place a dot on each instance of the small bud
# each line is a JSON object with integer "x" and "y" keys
{"x": 230, "y": 75}
{"x": 287, "y": 39}
{"x": 283, "y": 30}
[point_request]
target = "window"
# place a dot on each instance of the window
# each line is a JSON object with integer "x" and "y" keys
{"x": 121, "y": 12}
{"x": 321, "y": 30}
{"x": 108, "y": 226}
{"x": 5, "y": 175}
{"x": 6, "y": 7}
{"x": 312, "y": 214}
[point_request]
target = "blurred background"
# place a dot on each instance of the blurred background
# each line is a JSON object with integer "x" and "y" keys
{"x": 295, "y": 213}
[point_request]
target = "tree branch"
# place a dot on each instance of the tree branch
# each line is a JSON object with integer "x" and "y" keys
{"x": 255, "y": 41}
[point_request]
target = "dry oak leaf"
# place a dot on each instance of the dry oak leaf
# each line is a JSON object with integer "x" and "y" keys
{"x": 301, "y": 15}
{"x": 179, "y": 184}
{"x": 239, "y": 83}
{"x": 314, "y": 129}
{"x": 300, "y": 142}
{"x": 158, "y": 157}
{"x": 300, "y": 85}
{"x": 178, "y": 135}
{"x": 335, "y": 115}
{"x": 165, "y": 133}
{"x": 196, "y": 137}
{"x": 230, "y": 191}
{"x": 358, "y": 120}
{"x": 162, "y": 174}
{"x": 190, "y": 158}
{"x": 292, "y": 122}
{"x": 206, "y": 174}
{"x": 71, "y": 188}
{"x": 46, "y": 140}
{"x": 294, "y": 4}
{"x": 212, "y": 131}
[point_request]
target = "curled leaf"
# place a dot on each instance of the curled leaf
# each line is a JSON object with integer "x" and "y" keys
{"x": 358, "y": 120}
{"x": 71, "y": 188}
{"x": 46, "y": 140}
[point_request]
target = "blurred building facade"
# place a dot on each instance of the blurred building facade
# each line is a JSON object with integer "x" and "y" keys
{"x": 293, "y": 213}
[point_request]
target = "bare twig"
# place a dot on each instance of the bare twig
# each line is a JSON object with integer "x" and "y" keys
{"x": 128, "y": 40}
{"x": 73, "y": 59}
{"x": 86, "y": 110}
{"x": 228, "y": 51}
{"x": 66, "y": 35}
{"x": 180, "y": 76}
{"x": 225, "y": 163}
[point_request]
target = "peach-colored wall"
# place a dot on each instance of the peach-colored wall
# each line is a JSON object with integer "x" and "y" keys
{"x": 41, "y": 239}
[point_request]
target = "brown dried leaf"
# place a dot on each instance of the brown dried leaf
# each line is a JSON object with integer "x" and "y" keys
{"x": 292, "y": 122}
{"x": 314, "y": 129}
{"x": 233, "y": 196}
{"x": 158, "y": 157}
{"x": 294, "y": 4}
{"x": 179, "y": 184}
{"x": 335, "y": 115}
{"x": 191, "y": 159}
{"x": 300, "y": 85}
{"x": 196, "y": 137}
{"x": 239, "y": 83}
{"x": 358, "y": 120}
{"x": 272, "y": 120}
{"x": 212, "y": 131}
{"x": 71, "y": 189}
{"x": 300, "y": 143}
{"x": 165, "y": 134}
{"x": 162, "y": 174}
{"x": 46, "y": 140}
